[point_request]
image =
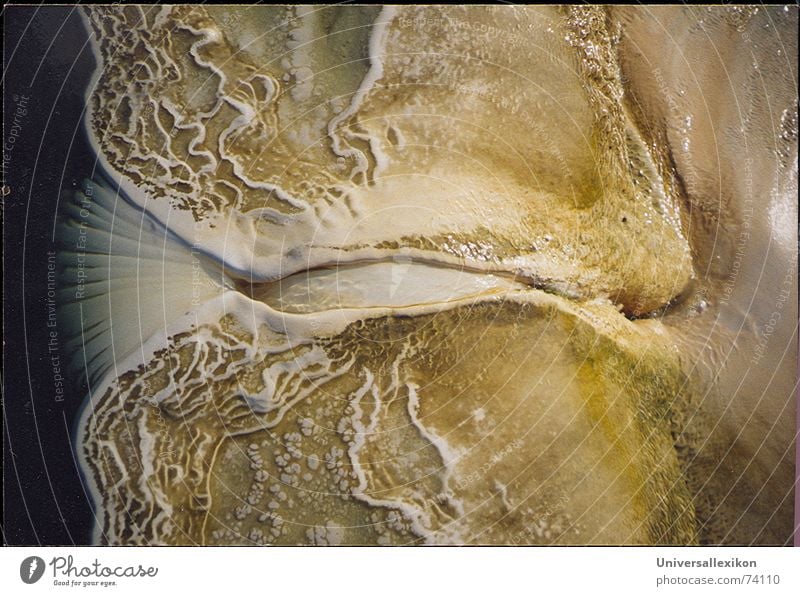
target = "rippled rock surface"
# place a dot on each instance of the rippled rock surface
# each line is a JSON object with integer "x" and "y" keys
{"x": 456, "y": 275}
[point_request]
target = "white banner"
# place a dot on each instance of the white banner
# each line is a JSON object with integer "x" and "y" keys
{"x": 401, "y": 571}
